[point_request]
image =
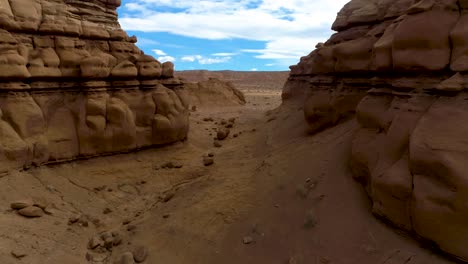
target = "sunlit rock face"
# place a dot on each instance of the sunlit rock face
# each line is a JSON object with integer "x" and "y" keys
{"x": 73, "y": 84}
{"x": 399, "y": 68}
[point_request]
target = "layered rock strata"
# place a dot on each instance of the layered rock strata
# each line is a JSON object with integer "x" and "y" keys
{"x": 73, "y": 84}
{"x": 400, "y": 68}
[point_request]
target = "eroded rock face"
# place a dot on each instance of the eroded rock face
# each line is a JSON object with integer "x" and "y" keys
{"x": 399, "y": 67}
{"x": 73, "y": 84}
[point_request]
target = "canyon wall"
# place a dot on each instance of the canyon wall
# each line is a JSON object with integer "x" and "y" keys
{"x": 399, "y": 67}
{"x": 73, "y": 84}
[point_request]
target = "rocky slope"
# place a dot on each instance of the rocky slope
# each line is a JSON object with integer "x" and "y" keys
{"x": 213, "y": 92}
{"x": 399, "y": 68}
{"x": 73, "y": 84}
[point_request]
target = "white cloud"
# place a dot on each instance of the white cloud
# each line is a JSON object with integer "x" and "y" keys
{"x": 290, "y": 28}
{"x": 224, "y": 54}
{"x": 254, "y": 69}
{"x": 205, "y": 60}
{"x": 166, "y": 58}
{"x": 147, "y": 42}
{"x": 188, "y": 58}
{"x": 214, "y": 60}
{"x": 285, "y": 48}
{"x": 159, "y": 52}
{"x": 191, "y": 58}
{"x": 270, "y": 64}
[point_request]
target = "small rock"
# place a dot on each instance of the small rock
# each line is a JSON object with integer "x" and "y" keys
{"x": 18, "y": 253}
{"x": 107, "y": 210}
{"x": 126, "y": 258}
{"x": 232, "y": 120}
{"x": 95, "y": 242}
{"x": 320, "y": 197}
{"x": 49, "y": 210}
{"x": 247, "y": 240}
{"x": 178, "y": 165}
{"x": 168, "y": 165}
{"x": 223, "y": 122}
{"x": 207, "y": 161}
{"x": 107, "y": 236}
{"x": 117, "y": 238}
{"x": 143, "y": 182}
{"x": 126, "y": 222}
{"x": 73, "y": 219}
{"x": 100, "y": 188}
{"x": 167, "y": 196}
{"x": 84, "y": 222}
{"x": 208, "y": 119}
{"x": 140, "y": 254}
{"x": 96, "y": 222}
{"x": 235, "y": 135}
{"x": 165, "y": 216}
{"x": 31, "y": 211}
{"x": 131, "y": 227}
{"x": 211, "y": 154}
{"x": 230, "y": 125}
{"x": 108, "y": 239}
{"x": 20, "y": 204}
{"x": 194, "y": 108}
{"x": 51, "y": 188}
{"x": 217, "y": 144}
{"x": 96, "y": 257}
{"x": 324, "y": 260}
{"x": 223, "y": 133}
{"x": 40, "y": 202}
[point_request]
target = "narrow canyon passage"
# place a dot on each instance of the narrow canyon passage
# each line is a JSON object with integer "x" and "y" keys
{"x": 273, "y": 195}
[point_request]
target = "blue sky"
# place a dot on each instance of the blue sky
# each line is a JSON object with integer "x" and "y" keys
{"x": 246, "y": 35}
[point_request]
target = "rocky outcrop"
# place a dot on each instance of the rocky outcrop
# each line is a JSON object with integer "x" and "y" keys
{"x": 399, "y": 67}
{"x": 214, "y": 93}
{"x": 73, "y": 84}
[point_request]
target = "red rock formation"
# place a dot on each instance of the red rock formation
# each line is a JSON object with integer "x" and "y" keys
{"x": 399, "y": 68}
{"x": 73, "y": 84}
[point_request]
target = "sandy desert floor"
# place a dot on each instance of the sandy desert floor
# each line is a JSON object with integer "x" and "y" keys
{"x": 273, "y": 195}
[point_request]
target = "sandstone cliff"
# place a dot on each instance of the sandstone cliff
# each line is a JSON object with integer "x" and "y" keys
{"x": 400, "y": 68}
{"x": 73, "y": 84}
